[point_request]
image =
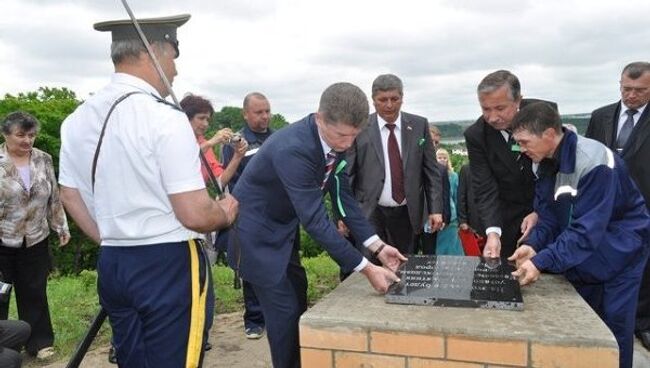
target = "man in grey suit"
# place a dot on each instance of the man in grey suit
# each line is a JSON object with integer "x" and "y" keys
{"x": 624, "y": 126}
{"x": 392, "y": 166}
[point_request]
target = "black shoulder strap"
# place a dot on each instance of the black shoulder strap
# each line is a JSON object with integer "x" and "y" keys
{"x": 165, "y": 102}
{"x": 204, "y": 161}
{"x": 101, "y": 135}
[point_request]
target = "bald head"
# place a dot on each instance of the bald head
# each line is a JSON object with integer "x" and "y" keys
{"x": 257, "y": 112}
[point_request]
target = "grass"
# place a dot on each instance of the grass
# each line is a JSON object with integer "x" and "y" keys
{"x": 73, "y": 301}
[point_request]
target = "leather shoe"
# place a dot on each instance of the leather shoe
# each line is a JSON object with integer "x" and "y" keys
{"x": 644, "y": 336}
{"x": 112, "y": 355}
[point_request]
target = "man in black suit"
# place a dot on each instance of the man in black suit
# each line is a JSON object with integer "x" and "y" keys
{"x": 624, "y": 126}
{"x": 392, "y": 168}
{"x": 502, "y": 178}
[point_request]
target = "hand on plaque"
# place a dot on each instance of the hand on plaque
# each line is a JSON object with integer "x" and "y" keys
{"x": 379, "y": 277}
{"x": 522, "y": 254}
{"x": 527, "y": 273}
{"x": 492, "y": 246}
{"x": 389, "y": 256}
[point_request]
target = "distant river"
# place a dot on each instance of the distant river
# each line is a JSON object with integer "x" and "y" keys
{"x": 453, "y": 140}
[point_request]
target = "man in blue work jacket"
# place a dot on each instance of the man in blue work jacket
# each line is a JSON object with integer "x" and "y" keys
{"x": 593, "y": 224}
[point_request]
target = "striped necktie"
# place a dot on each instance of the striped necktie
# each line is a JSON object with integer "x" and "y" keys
{"x": 329, "y": 166}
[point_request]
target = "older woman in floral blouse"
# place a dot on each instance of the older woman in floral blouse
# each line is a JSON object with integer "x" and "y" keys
{"x": 29, "y": 208}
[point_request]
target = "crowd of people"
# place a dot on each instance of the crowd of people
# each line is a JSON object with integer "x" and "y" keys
{"x": 533, "y": 191}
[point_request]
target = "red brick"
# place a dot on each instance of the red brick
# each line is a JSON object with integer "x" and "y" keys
{"x": 407, "y": 344}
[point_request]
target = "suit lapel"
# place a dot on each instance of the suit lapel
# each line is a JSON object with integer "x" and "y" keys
{"x": 495, "y": 139}
{"x": 407, "y": 138}
{"x": 610, "y": 124}
{"x": 317, "y": 148}
{"x": 639, "y": 135}
{"x": 375, "y": 138}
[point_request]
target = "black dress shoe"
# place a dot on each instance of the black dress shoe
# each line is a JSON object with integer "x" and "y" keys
{"x": 207, "y": 346}
{"x": 112, "y": 355}
{"x": 644, "y": 336}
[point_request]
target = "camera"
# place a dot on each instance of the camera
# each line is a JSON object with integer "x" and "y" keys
{"x": 235, "y": 139}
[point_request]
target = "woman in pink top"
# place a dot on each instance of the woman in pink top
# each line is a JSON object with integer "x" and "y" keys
{"x": 199, "y": 111}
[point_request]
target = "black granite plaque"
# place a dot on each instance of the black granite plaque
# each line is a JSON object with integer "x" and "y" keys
{"x": 457, "y": 281}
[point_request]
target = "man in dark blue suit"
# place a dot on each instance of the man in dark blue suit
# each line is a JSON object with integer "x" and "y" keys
{"x": 283, "y": 186}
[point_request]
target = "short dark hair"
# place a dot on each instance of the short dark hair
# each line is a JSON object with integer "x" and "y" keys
{"x": 536, "y": 118}
{"x": 344, "y": 103}
{"x": 247, "y": 98}
{"x": 387, "y": 82}
{"x": 193, "y": 104}
{"x": 498, "y": 79}
{"x": 21, "y": 119}
{"x": 636, "y": 69}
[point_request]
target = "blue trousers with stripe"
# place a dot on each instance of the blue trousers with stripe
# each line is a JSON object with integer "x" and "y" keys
{"x": 147, "y": 293}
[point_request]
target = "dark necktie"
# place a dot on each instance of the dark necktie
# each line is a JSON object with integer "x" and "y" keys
{"x": 329, "y": 166}
{"x": 512, "y": 145}
{"x": 626, "y": 130}
{"x": 396, "y": 171}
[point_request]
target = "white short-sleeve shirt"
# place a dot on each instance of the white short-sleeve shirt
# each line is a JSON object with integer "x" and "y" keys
{"x": 148, "y": 152}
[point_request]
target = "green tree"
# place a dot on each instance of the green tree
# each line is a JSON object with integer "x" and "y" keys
{"x": 228, "y": 117}
{"x": 50, "y": 106}
{"x": 278, "y": 122}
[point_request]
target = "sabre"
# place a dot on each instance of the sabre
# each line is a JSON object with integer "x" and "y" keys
{"x": 204, "y": 162}
{"x": 168, "y": 86}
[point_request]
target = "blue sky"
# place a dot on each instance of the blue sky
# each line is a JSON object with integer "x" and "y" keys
{"x": 568, "y": 51}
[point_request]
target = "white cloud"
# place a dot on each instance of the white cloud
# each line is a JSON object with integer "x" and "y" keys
{"x": 568, "y": 51}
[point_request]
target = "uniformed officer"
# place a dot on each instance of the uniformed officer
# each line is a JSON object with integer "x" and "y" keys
{"x": 131, "y": 179}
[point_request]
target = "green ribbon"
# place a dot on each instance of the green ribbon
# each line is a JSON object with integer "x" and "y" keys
{"x": 339, "y": 168}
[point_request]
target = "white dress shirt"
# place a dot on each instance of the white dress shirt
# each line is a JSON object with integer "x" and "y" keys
{"x": 149, "y": 151}
{"x": 386, "y": 197}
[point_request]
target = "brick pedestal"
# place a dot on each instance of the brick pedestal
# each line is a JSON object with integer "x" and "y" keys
{"x": 354, "y": 328}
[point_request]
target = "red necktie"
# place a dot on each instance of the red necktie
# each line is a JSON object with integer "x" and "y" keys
{"x": 329, "y": 166}
{"x": 396, "y": 171}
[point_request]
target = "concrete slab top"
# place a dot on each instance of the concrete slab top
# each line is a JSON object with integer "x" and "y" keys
{"x": 553, "y": 313}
